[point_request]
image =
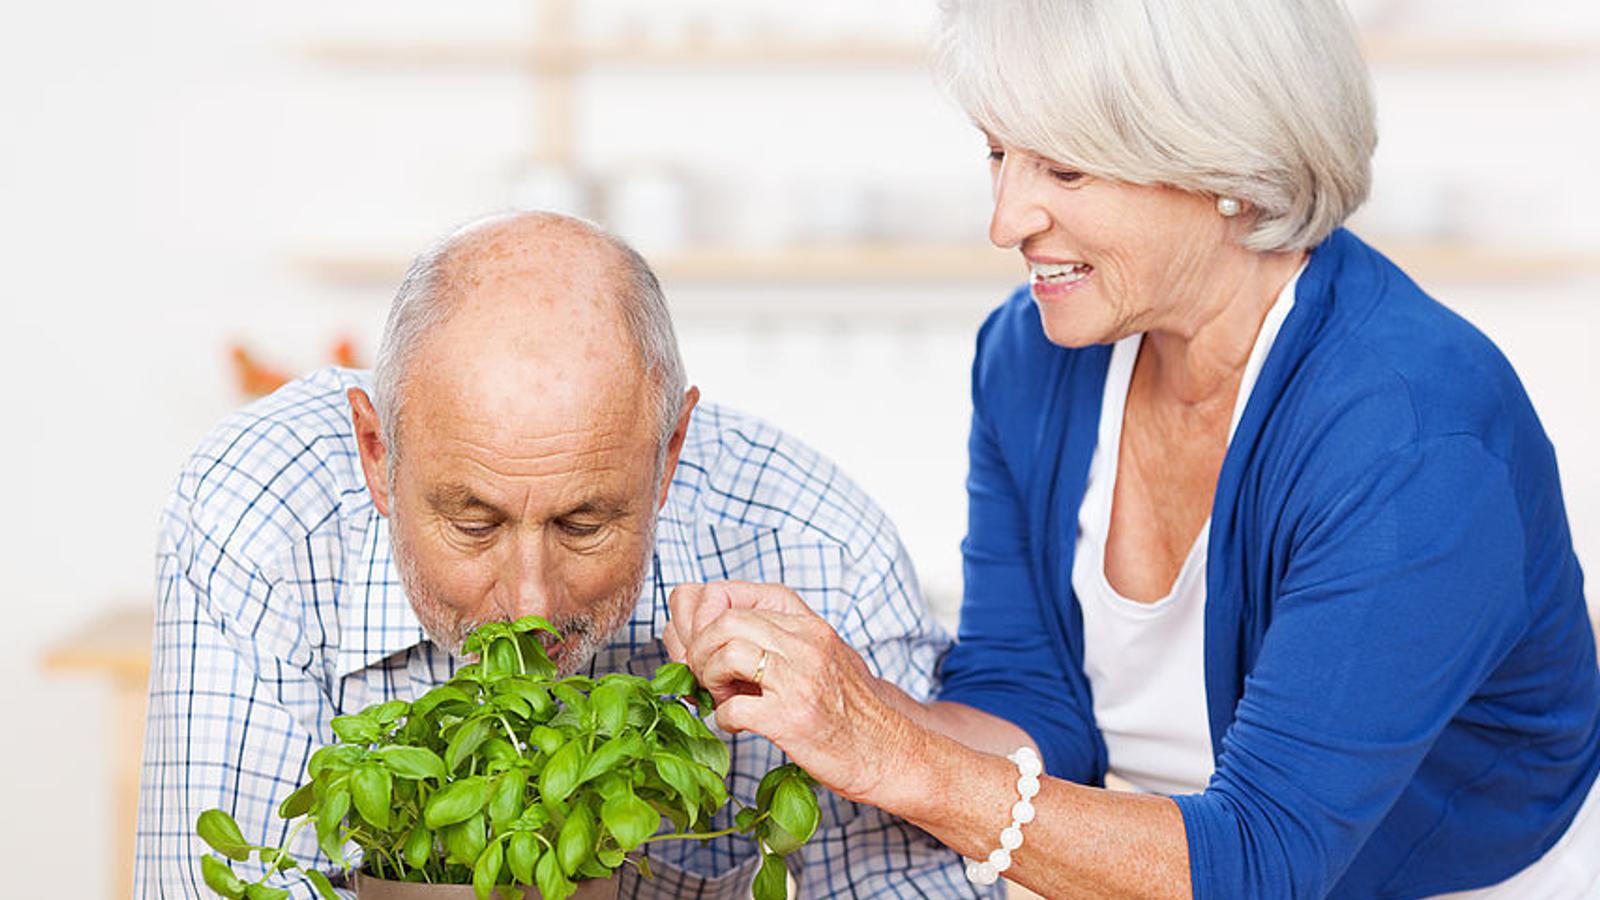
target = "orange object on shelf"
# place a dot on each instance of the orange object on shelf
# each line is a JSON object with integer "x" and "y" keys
{"x": 257, "y": 379}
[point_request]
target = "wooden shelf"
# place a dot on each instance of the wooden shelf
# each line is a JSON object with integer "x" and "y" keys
{"x": 811, "y": 264}
{"x": 1447, "y": 262}
{"x": 495, "y": 55}
{"x": 1381, "y": 47}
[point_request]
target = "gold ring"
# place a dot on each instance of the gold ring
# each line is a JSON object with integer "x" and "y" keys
{"x": 761, "y": 669}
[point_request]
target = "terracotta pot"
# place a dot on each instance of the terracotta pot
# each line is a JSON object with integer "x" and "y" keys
{"x": 369, "y": 888}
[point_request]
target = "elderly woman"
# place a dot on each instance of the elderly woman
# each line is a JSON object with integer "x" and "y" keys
{"x": 1255, "y": 524}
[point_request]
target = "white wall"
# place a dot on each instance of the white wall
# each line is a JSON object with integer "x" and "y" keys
{"x": 162, "y": 159}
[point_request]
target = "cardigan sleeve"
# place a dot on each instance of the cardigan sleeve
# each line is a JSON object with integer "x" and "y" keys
{"x": 1402, "y": 590}
{"x": 1005, "y": 661}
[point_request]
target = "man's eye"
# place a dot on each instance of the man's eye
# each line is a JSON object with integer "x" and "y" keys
{"x": 577, "y": 529}
{"x": 474, "y": 530}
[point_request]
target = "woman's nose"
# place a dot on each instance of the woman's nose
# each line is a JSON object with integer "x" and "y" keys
{"x": 1018, "y": 214}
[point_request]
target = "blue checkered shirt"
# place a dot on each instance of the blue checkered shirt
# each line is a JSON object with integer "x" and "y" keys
{"x": 279, "y": 607}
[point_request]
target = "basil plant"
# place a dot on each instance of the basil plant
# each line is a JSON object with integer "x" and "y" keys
{"x": 508, "y": 776}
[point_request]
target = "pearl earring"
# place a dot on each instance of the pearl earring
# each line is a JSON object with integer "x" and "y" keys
{"x": 1229, "y": 206}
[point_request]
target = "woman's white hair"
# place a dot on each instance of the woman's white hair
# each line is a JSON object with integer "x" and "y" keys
{"x": 1266, "y": 101}
{"x": 422, "y": 303}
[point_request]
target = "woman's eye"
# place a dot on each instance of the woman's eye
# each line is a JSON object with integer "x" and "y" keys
{"x": 996, "y": 155}
{"x": 1065, "y": 176}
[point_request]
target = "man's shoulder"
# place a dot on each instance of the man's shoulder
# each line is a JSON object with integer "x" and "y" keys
{"x": 274, "y": 471}
{"x": 739, "y": 470}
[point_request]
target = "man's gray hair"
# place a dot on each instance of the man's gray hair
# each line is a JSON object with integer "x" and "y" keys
{"x": 1266, "y": 101}
{"x": 422, "y": 303}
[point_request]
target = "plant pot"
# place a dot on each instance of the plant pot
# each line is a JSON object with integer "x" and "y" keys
{"x": 369, "y": 888}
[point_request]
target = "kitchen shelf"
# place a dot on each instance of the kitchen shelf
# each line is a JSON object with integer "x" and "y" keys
{"x": 507, "y": 54}
{"x": 1449, "y": 262}
{"x": 1381, "y": 47}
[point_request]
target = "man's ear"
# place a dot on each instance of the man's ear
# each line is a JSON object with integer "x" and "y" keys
{"x": 675, "y": 444}
{"x": 369, "y": 442}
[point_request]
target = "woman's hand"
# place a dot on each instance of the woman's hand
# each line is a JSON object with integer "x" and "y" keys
{"x": 776, "y": 668}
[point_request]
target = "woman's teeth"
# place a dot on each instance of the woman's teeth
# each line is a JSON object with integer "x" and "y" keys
{"x": 1060, "y": 273}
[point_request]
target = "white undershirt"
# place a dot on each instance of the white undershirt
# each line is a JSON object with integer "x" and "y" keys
{"x": 1146, "y": 661}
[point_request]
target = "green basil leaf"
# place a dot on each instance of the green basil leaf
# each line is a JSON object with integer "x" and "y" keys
{"x": 610, "y": 704}
{"x": 772, "y": 881}
{"x": 547, "y": 739}
{"x": 371, "y": 785}
{"x": 465, "y": 740}
{"x": 387, "y": 713}
{"x": 576, "y": 840}
{"x": 505, "y": 803}
{"x": 711, "y": 753}
{"x": 744, "y": 817}
{"x": 610, "y": 857}
{"x": 522, "y": 851}
{"x": 218, "y": 829}
{"x": 769, "y": 784}
{"x": 501, "y": 660}
{"x": 418, "y": 847}
{"x": 553, "y": 883}
{"x": 561, "y": 773}
{"x": 610, "y": 754}
{"x": 513, "y": 704}
{"x": 630, "y": 820}
{"x": 298, "y": 803}
{"x": 262, "y": 892}
{"x": 323, "y": 885}
{"x": 529, "y": 624}
{"x": 498, "y": 751}
{"x": 412, "y": 762}
{"x": 486, "y": 871}
{"x": 714, "y": 789}
{"x": 463, "y": 841}
{"x": 355, "y": 729}
{"x": 333, "y": 758}
{"x": 777, "y": 838}
{"x": 679, "y": 775}
{"x": 444, "y": 693}
{"x": 679, "y": 717}
{"x": 534, "y": 657}
{"x": 220, "y": 878}
{"x": 329, "y": 818}
{"x": 536, "y": 695}
{"x": 794, "y": 808}
{"x": 456, "y": 801}
{"x": 672, "y": 679}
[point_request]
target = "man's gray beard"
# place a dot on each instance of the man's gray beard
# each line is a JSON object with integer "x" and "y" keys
{"x": 583, "y": 635}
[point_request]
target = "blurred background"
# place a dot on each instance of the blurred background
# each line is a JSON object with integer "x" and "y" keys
{"x": 202, "y": 198}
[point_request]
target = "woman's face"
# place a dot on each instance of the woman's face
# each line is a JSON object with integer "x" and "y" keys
{"x": 1107, "y": 259}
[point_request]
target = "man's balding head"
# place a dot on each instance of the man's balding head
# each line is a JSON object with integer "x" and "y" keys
{"x": 542, "y": 282}
{"x": 530, "y": 410}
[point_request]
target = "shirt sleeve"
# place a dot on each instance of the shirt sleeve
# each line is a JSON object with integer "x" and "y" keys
{"x": 1401, "y": 592}
{"x": 230, "y": 695}
{"x": 1005, "y": 661}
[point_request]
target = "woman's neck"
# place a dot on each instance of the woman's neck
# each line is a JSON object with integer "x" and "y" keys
{"x": 1200, "y": 359}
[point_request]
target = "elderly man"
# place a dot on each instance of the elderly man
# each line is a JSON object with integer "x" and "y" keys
{"x": 528, "y": 447}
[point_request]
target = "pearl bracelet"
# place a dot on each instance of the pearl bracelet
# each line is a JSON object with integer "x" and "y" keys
{"x": 1029, "y": 768}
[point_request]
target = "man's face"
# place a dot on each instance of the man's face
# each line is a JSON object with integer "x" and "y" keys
{"x": 502, "y": 506}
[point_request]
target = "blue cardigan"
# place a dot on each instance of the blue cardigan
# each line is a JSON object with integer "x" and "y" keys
{"x": 1400, "y": 672}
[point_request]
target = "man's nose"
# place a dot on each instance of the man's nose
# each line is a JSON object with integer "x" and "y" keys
{"x": 1018, "y": 215}
{"x": 529, "y": 584}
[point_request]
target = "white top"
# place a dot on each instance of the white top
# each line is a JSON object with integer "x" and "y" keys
{"x": 1146, "y": 661}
